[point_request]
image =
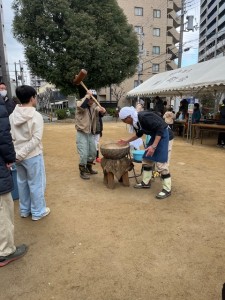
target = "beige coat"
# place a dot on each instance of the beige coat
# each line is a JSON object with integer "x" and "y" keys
{"x": 85, "y": 118}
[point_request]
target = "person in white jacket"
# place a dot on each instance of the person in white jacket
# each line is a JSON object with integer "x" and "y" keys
{"x": 27, "y": 130}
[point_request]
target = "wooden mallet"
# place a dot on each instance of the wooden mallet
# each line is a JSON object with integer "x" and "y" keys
{"x": 78, "y": 80}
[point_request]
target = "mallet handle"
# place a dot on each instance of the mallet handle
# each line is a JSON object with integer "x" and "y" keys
{"x": 84, "y": 86}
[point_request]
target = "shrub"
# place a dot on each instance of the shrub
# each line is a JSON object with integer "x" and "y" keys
{"x": 61, "y": 114}
{"x": 111, "y": 111}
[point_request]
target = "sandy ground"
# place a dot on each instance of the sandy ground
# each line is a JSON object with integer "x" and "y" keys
{"x": 123, "y": 244}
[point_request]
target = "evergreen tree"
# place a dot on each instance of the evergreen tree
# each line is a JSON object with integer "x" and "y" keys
{"x": 61, "y": 37}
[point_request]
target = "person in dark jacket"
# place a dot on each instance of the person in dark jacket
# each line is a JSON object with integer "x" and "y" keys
{"x": 8, "y": 251}
{"x": 157, "y": 150}
{"x": 159, "y": 107}
{"x": 9, "y": 103}
{"x": 221, "y": 136}
{"x": 196, "y": 116}
{"x": 98, "y": 134}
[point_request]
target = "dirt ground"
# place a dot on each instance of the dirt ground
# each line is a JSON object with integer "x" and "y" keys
{"x": 123, "y": 244}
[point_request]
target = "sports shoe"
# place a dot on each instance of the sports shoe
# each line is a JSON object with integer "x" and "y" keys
{"x": 163, "y": 194}
{"x": 47, "y": 212}
{"x": 142, "y": 185}
{"x": 25, "y": 215}
{"x": 20, "y": 251}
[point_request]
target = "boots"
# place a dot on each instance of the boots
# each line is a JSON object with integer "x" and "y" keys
{"x": 146, "y": 179}
{"x": 90, "y": 170}
{"x": 98, "y": 159}
{"x": 166, "y": 188}
{"x": 83, "y": 172}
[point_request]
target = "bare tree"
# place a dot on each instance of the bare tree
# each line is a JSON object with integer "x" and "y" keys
{"x": 44, "y": 100}
{"x": 118, "y": 92}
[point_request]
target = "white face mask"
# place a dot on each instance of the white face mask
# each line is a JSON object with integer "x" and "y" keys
{"x": 3, "y": 93}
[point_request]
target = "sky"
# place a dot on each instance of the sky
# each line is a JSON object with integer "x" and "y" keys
{"x": 190, "y": 38}
{"x": 15, "y": 51}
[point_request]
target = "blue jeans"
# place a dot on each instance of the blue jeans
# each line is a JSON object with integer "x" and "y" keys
{"x": 31, "y": 186}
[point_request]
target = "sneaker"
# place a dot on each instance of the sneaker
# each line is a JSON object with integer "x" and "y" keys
{"x": 25, "y": 215}
{"x": 47, "y": 212}
{"x": 142, "y": 185}
{"x": 163, "y": 194}
{"x": 20, "y": 251}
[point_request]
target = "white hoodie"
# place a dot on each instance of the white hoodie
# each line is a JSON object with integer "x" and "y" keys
{"x": 27, "y": 130}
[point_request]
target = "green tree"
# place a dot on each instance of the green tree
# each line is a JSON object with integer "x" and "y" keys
{"x": 61, "y": 37}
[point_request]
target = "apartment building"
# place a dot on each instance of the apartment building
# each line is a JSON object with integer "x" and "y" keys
{"x": 36, "y": 81}
{"x": 212, "y": 29}
{"x": 156, "y": 23}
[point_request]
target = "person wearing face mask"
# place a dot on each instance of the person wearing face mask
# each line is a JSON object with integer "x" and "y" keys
{"x": 9, "y": 103}
{"x": 8, "y": 251}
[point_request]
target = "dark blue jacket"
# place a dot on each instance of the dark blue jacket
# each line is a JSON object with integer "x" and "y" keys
{"x": 7, "y": 152}
{"x": 10, "y": 105}
{"x": 222, "y": 115}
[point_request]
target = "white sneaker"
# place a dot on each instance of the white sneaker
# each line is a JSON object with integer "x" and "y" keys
{"x": 47, "y": 212}
{"x": 25, "y": 215}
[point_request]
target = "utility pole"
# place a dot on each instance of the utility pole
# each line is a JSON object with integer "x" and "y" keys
{"x": 181, "y": 35}
{"x": 4, "y": 70}
{"x": 16, "y": 75}
{"x": 141, "y": 51}
{"x": 21, "y": 72}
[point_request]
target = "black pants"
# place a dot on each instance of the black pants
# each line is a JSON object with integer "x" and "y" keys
{"x": 221, "y": 138}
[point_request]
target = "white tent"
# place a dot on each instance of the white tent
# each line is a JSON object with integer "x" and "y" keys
{"x": 208, "y": 75}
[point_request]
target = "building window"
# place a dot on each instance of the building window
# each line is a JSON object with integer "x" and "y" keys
{"x": 155, "y": 50}
{"x": 156, "y": 31}
{"x": 156, "y": 13}
{"x": 138, "y": 29}
{"x": 138, "y": 11}
{"x": 155, "y": 68}
{"x": 136, "y": 83}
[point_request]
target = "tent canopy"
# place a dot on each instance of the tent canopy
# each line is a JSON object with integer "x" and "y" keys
{"x": 208, "y": 75}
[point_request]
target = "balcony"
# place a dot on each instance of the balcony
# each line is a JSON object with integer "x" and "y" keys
{"x": 201, "y": 48}
{"x": 175, "y": 34}
{"x": 176, "y": 19}
{"x": 169, "y": 40}
{"x": 221, "y": 20}
{"x": 174, "y": 51}
{"x": 169, "y": 23}
{"x": 169, "y": 5}
{"x": 177, "y": 5}
{"x": 171, "y": 65}
{"x": 222, "y": 8}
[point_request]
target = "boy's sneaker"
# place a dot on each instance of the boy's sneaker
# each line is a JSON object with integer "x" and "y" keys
{"x": 47, "y": 212}
{"x": 20, "y": 251}
{"x": 25, "y": 215}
